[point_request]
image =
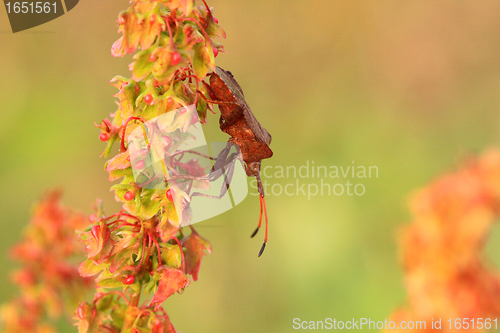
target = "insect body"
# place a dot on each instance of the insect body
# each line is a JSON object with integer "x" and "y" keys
{"x": 238, "y": 121}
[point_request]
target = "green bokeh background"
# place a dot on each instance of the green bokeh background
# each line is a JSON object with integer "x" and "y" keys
{"x": 409, "y": 87}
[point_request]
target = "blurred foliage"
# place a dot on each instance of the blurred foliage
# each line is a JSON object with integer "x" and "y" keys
{"x": 410, "y": 87}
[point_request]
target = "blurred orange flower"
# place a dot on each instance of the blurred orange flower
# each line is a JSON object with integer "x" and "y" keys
{"x": 48, "y": 281}
{"x": 446, "y": 274}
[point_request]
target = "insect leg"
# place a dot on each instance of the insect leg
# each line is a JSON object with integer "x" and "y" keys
{"x": 215, "y": 173}
{"x": 263, "y": 202}
{"x": 260, "y": 219}
{"x": 219, "y": 169}
{"x": 224, "y": 166}
{"x": 228, "y": 176}
{"x": 192, "y": 152}
{"x": 263, "y": 211}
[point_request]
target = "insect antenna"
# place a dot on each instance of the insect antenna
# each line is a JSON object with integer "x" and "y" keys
{"x": 215, "y": 102}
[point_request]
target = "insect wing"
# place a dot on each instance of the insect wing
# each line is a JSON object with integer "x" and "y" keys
{"x": 260, "y": 133}
{"x": 231, "y": 83}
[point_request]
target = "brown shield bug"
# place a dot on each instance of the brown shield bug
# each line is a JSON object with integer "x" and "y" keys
{"x": 239, "y": 122}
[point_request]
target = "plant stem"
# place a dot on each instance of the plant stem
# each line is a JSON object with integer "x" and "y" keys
{"x": 131, "y": 314}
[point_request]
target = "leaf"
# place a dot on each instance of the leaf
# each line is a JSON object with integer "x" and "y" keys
{"x": 150, "y": 285}
{"x": 110, "y": 283}
{"x": 89, "y": 320}
{"x": 162, "y": 70}
{"x": 180, "y": 197}
{"x": 120, "y": 258}
{"x": 165, "y": 228}
{"x": 203, "y": 60}
{"x": 96, "y": 240}
{"x": 124, "y": 249}
{"x": 131, "y": 30}
{"x": 195, "y": 246}
{"x": 142, "y": 65}
{"x": 128, "y": 241}
{"x": 127, "y": 100}
{"x": 120, "y": 162}
{"x": 89, "y": 268}
{"x": 152, "y": 111}
{"x": 118, "y": 81}
{"x": 149, "y": 89}
{"x": 142, "y": 7}
{"x": 149, "y": 207}
{"x": 106, "y": 303}
{"x": 171, "y": 280}
{"x": 153, "y": 25}
{"x": 177, "y": 97}
{"x": 117, "y": 50}
{"x": 122, "y": 187}
{"x": 184, "y": 6}
{"x": 213, "y": 29}
{"x": 171, "y": 255}
{"x": 202, "y": 105}
{"x": 115, "y": 174}
{"x": 180, "y": 38}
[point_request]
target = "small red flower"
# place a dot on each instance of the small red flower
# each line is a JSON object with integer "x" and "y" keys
{"x": 148, "y": 99}
{"x": 194, "y": 119}
{"x": 81, "y": 311}
{"x": 140, "y": 164}
{"x": 95, "y": 231}
{"x": 170, "y": 195}
{"x": 170, "y": 101}
{"x": 176, "y": 58}
{"x": 129, "y": 196}
{"x": 104, "y": 137}
{"x": 129, "y": 279}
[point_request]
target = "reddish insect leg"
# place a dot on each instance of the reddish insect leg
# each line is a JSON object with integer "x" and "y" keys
{"x": 260, "y": 219}
{"x": 263, "y": 202}
{"x": 263, "y": 211}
